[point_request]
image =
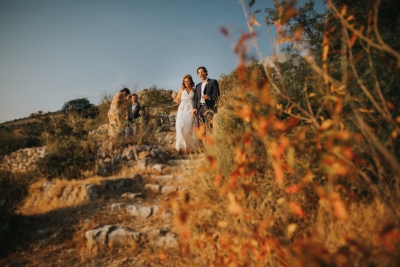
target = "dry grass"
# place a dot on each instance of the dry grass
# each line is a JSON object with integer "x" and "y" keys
{"x": 297, "y": 191}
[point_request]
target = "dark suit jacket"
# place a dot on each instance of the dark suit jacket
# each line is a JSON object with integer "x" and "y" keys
{"x": 212, "y": 90}
{"x": 135, "y": 114}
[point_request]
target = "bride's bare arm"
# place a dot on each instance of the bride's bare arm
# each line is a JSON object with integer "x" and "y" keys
{"x": 178, "y": 97}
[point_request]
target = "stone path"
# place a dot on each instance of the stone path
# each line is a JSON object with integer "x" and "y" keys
{"x": 143, "y": 202}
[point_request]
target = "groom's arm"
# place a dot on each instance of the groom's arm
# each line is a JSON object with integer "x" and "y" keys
{"x": 195, "y": 99}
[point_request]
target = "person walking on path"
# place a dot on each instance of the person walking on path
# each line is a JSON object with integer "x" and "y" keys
{"x": 114, "y": 113}
{"x": 134, "y": 112}
{"x": 186, "y": 140}
{"x": 205, "y": 99}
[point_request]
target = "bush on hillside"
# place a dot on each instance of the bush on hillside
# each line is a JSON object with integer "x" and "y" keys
{"x": 157, "y": 101}
{"x": 69, "y": 151}
{"x": 13, "y": 139}
{"x": 81, "y": 106}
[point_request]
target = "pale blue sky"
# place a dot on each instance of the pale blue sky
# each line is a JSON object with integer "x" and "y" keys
{"x": 53, "y": 51}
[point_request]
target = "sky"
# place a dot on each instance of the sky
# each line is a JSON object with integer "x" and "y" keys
{"x": 54, "y": 51}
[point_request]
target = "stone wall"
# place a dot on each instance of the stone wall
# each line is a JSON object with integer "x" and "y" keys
{"x": 22, "y": 160}
{"x": 109, "y": 158}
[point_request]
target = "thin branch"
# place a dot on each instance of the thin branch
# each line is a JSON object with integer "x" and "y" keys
{"x": 382, "y": 46}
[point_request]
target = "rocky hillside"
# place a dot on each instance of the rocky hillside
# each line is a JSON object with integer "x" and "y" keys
{"x": 121, "y": 220}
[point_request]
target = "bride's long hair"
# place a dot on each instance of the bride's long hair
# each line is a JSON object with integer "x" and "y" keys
{"x": 191, "y": 81}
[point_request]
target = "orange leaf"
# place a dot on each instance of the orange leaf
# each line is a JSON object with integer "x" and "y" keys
{"x": 344, "y": 10}
{"x": 311, "y": 95}
{"x": 292, "y": 189}
{"x": 363, "y": 110}
{"x": 279, "y": 174}
{"x": 291, "y": 123}
{"x": 279, "y": 125}
{"x": 284, "y": 39}
{"x": 351, "y": 17}
{"x": 298, "y": 34}
{"x": 185, "y": 234}
{"x": 390, "y": 105}
{"x": 291, "y": 12}
{"x": 247, "y": 140}
{"x": 212, "y": 161}
{"x": 297, "y": 209}
{"x": 253, "y": 21}
{"x": 278, "y": 26}
{"x": 325, "y": 125}
{"x": 245, "y": 113}
{"x": 162, "y": 257}
{"x": 339, "y": 208}
{"x": 241, "y": 43}
{"x": 261, "y": 125}
{"x": 217, "y": 180}
{"x": 353, "y": 39}
{"x": 233, "y": 207}
{"x": 208, "y": 140}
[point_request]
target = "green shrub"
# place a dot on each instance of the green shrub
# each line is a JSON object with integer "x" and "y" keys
{"x": 157, "y": 101}
{"x": 11, "y": 141}
{"x": 67, "y": 157}
{"x": 69, "y": 152}
{"x": 81, "y": 106}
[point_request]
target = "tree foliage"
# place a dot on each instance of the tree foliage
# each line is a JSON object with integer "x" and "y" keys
{"x": 157, "y": 100}
{"x": 81, "y": 106}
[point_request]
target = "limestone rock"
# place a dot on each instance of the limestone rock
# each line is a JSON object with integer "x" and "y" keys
{"x": 153, "y": 187}
{"x": 117, "y": 206}
{"x": 111, "y": 235}
{"x": 159, "y": 167}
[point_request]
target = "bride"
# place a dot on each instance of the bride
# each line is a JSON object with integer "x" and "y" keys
{"x": 186, "y": 140}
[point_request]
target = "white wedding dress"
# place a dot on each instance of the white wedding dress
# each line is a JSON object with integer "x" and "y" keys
{"x": 185, "y": 138}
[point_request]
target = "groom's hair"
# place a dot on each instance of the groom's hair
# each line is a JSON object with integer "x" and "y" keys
{"x": 204, "y": 68}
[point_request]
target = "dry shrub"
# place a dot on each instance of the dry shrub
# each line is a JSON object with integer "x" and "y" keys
{"x": 304, "y": 178}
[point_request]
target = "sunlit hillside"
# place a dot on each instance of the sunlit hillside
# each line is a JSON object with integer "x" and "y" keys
{"x": 299, "y": 166}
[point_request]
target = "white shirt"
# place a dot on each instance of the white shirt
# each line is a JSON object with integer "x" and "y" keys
{"x": 133, "y": 107}
{"x": 203, "y": 84}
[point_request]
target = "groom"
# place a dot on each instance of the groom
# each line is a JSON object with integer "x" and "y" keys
{"x": 205, "y": 98}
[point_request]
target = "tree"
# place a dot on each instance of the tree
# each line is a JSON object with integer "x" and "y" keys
{"x": 158, "y": 99}
{"x": 81, "y": 106}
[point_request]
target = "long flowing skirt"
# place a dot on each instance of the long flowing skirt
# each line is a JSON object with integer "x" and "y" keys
{"x": 185, "y": 138}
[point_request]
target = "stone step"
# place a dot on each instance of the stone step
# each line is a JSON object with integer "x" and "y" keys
{"x": 166, "y": 179}
{"x": 147, "y": 211}
{"x": 159, "y": 189}
{"x": 112, "y": 235}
